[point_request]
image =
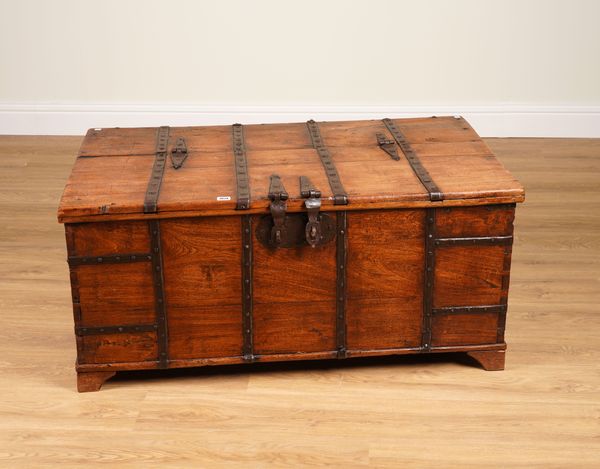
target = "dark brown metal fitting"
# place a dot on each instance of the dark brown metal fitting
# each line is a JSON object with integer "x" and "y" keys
{"x": 388, "y": 145}
{"x": 179, "y": 153}
{"x": 278, "y": 197}
{"x": 313, "y": 232}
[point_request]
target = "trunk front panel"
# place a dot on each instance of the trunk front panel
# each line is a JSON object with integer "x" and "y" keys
{"x": 293, "y": 311}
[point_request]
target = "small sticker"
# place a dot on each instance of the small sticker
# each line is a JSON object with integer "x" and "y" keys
{"x": 223, "y": 198}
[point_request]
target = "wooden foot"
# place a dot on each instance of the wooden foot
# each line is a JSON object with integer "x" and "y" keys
{"x": 490, "y": 360}
{"x": 88, "y": 381}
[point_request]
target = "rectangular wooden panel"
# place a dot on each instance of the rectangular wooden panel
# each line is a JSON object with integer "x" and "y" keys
{"x": 202, "y": 261}
{"x": 385, "y": 278}
{"x": 204, "y": 332}
{"x": 294, "y": 327}
{"x": 202, "y": 275}
{"x": 294, "y": 297}
{"x": 381, "y": 323}
{"x": 464, "y": 329}
{"x": 97, "y": 239}
{"x": 468, "y": 276}
{"x": 487, "y": 220}
{"x": 116, "y": 294}
{"x": 118, "y": 348}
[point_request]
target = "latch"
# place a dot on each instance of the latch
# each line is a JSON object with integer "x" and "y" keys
{"x": 388, "y": 145}
{"x": 179, "y": 153}
{"x": 312, "y": 203}
{"x": 278, "y": 196}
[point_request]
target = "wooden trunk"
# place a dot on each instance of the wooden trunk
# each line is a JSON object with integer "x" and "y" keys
{"x": 196, "y": 246}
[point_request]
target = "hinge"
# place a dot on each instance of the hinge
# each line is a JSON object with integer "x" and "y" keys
{"x": 179, "y": 153}
{"x": 388, "y": 145}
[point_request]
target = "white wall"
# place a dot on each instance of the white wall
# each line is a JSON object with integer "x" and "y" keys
{"x": 514, "y": 67}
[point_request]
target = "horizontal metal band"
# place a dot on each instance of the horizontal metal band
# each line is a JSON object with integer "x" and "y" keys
{"x": 110, "y": 259}
{"x": 478, "y": 241}
{"x": 126, "y": 329}
{"x": 471, "y": 309}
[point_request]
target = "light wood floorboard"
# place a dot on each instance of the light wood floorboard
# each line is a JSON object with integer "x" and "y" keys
{"x": 543, "y": 411}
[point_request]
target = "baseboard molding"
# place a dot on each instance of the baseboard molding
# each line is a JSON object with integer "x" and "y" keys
{"x": 495, "y": 120}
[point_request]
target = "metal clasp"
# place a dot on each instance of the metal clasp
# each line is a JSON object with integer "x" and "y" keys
{"x": 278, "y": 196}
{"x": 312, "y": 203}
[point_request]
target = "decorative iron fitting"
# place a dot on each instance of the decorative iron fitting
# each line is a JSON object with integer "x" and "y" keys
{"x": 158, "y": 170}
{"x": 341, "y": 284}
{"x": 247, "y": 295}
{"x": 340, "y": 197}
{"x": 388, "y": 145}
{"x": 179, "y": 153}
{"x": 159, "y": 294}
{"x": 278, "y": 207}
{"x": 125, "y": 329}
{"x": 475, "y": 241}
{"x": 435, "y": 194}
{"x": 429, "y": 278}
{"x": 498, "y": 309}
{"x": 312, "y": 203}
{"x": 241, "y": 168}
{"x": 109, "y": 259}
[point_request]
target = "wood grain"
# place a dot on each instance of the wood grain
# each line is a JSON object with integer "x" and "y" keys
{"x": 458, "y": 160}
{"x": 468, "y": 275}
{"x": 116, "y": 294}
{"x": 418, "y": 411}
{"x": 385, "y": 279}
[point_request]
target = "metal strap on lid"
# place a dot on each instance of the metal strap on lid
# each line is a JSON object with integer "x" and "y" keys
{"x": 241, "y": 168}
{"x": 158, "y": 169}
{"x": 435, "y": 194}
{"x": 339, "y": 193}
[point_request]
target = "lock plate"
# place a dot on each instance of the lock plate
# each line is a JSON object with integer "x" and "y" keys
{"x": 295, "y": 230}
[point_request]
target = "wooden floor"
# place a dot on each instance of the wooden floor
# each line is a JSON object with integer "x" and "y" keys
{"x": 434, "y": 411}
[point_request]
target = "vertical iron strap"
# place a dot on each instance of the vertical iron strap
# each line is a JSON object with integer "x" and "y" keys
{"x": 435, "y": 194}
{"x": 159, "y": 294}
{"x": 158, "y": 170}
{"x": 341, "y": 288}
{"x": 241, "y": 168}
{"x": 505, "y": 285}
{"x": 248, "y": 345}
{"x": 429, "y": 278}
{"x": 340, "y": 197}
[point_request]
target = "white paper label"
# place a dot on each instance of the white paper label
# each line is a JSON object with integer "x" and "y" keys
{"x": 223, "y": 198}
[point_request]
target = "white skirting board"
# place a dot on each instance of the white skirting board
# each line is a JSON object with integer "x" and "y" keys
{"x": 494, "y": 120}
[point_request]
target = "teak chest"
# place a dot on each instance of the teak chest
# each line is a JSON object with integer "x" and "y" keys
{"x": 192, "y": 246}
